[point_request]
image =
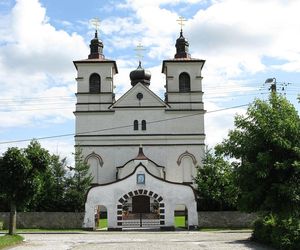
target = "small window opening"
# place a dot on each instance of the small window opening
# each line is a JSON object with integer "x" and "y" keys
{"x": 184, "y": 82}
{"x": 135, "y": 125}
{"x": 95, "y": 82}
{"x": 143, "y": 125}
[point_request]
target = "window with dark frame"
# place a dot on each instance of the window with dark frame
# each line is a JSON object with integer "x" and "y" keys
{"x": 95, "y": 83}
{"x": 135, "y": 125}
{"x": 184, "y": 82}
{"x": 143, "y": 125}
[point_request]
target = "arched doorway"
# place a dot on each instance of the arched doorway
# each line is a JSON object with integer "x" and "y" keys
{"x": 181, "y": 216}
{"x": 101, "y": 217}
{"x": 141, "y": 209}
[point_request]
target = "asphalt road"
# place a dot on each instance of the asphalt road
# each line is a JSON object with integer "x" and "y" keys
{"x": 217, "y": 240}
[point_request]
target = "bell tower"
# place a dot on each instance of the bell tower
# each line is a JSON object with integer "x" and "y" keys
{"x": 183, "y": 77}
{"x": 95, "y": 75}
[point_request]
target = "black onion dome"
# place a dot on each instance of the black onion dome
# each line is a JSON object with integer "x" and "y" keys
{"x": 182, "y": 47}
{"x": 140, "y": 75}
{"x": 96, "y": 48}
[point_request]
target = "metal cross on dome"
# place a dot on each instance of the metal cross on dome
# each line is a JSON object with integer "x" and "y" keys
{"x": 95, "y": 22}
{"x": 139, "y": 51}
{"x": 181, "y": 21}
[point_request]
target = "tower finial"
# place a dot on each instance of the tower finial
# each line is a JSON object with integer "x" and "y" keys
{"x": 182, "y": 45}
{"x": 181, "y": 21}
{"x": 96, "y": 46}
{"x": 95, "y": 22}
{"x": 139, "y": 52}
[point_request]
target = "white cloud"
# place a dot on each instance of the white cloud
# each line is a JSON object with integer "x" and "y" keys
{"x": 240, "y": 33}
{"x": 36, "y": 64}
{"x": 217, "y": 124}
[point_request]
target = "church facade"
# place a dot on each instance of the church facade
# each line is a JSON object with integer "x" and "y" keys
{"x": 142, "y": 150}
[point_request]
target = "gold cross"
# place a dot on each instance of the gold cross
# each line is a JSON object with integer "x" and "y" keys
{"x": 139, "y": 51}
{"x": 180, "y": 21}
{"x": 96, "y": 23}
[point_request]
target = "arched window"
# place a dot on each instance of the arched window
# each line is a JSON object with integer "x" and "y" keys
{"x": 143, "y": 125}
{"x": 135, "y": 125}
{"x": 95, "y": 82}
{"x": 184, "y": 82}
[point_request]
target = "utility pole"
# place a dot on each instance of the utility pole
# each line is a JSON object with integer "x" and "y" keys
{"x": 272, "y": 81}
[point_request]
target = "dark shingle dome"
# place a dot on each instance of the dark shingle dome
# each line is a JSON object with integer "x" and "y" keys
{"x": 140, "y": 75}
{"x": 182, "y": 47}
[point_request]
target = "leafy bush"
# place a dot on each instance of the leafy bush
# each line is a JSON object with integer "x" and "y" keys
{"x": 215, "y": 184}
{"x": 282, "y": 233}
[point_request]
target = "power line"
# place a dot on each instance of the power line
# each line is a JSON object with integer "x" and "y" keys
{"x": 124, "y": 126}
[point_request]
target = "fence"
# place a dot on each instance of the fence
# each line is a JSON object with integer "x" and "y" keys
{"x": 67, "y": 220}
{"x": 47, "y": 220}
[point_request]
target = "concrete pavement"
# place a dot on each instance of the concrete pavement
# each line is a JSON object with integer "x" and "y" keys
{"x": 217, "y": 240}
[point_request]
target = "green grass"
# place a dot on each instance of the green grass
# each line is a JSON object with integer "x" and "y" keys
{"x": 10, "y": 240}
{"x": 179, "y": 221}
{"x": 211, "y": 229}
{"x": 38, "y": 230}
{"x": 102, "y": 223}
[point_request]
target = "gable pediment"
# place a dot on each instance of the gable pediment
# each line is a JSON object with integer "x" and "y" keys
{"x": 137, "y": 97}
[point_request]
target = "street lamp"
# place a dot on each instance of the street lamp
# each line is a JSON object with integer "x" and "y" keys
{"x": 272, "y": 81}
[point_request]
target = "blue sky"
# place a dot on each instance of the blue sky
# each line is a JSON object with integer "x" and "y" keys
{"x": 243, "y": 43}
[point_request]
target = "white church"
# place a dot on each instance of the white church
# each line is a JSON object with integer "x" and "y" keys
{"x": 142, "y": 150}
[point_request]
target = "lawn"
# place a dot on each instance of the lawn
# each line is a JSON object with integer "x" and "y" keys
{"x": 9, "y": 240}
{"x": 102, "y": 223}
{"x": 179, "y": 221}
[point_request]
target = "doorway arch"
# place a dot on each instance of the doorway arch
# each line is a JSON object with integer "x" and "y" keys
{"x": 129, "y": 216}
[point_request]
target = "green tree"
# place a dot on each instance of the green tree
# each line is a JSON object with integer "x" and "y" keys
{"x": 19, "y": 170}
{"x": 78, "y": 183}
{"x": 50, "y": 197}
{"x": 38, "y": 156}
{"x": 215, "y": 183}
{"x": 17, "y": 183}
{"x": 266, "y": 141}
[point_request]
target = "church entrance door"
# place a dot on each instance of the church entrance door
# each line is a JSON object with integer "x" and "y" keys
{"x": 141, "y": 204}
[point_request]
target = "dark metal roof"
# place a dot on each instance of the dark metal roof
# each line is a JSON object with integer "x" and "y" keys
{"x": 175, "y": 60}
{"x": 97, "y": 60}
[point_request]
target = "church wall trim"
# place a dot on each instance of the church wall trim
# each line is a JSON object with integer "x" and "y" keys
{"x": 186, "y": 154}
{"x": 130, "y": 145}
{"x": 125, "y": 135}
{"x": 133, "y": 172}
{"x": 94, "y": 155}
{"x": 148, "y": 160}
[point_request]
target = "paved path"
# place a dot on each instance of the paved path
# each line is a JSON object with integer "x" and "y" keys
{"x": 218, "y": 240}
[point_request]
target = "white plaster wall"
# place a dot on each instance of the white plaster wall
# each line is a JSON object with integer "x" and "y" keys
{"x": 189, "y": 123}
{"x": 187, "y": 169}
{"x": 105, "y": 70}
{"x": 109, "y": 195}
{"x": 130, "y": 98}
{"x": 166, "y": 156}
{"x": 192, "y": 68}
{"x": 94, "y": 169}
{"x": 130, "y": 166}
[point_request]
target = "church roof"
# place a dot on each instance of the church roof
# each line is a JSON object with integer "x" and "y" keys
{"x": 141, "y": 155}
{"x": 140, "y": 75}
{"x": 139, "y": 96}
{"x": 96, "y": 53}
{"x": 174, "y": 60}
{"x": 182, "y": 52}
{"x": 96, "y": 60}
